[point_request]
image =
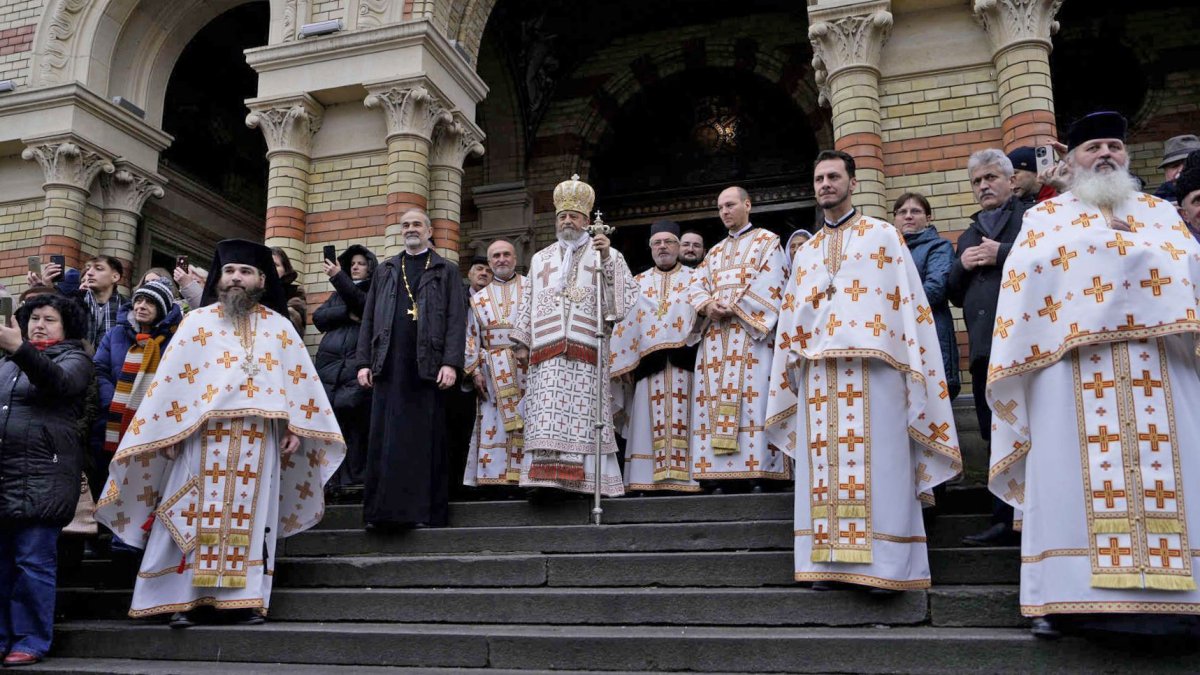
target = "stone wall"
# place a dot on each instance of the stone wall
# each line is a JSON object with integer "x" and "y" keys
{"x": 18, "y": 23}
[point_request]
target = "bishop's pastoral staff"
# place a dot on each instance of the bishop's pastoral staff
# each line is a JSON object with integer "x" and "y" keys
{"x": 1094, "y": 375}
{"x": 859, "y": 398}
{"x": 652, "y": 368}
{"x": 556, "y": 335}
{"x": 738, "y": 291}
{"x": 227, "y": 453}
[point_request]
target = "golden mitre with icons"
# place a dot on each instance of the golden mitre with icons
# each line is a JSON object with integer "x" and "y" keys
{"x": 574, "y": 195}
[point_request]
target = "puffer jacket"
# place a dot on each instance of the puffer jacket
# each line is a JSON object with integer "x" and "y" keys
{"x": 110, "y": 359}
{"x": 335, "y": 355}
{"x": 41, "y": 450}
{"x": 933, "y": 257}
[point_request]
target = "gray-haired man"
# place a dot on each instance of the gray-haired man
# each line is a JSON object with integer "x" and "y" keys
{"x": 974, "y": 285}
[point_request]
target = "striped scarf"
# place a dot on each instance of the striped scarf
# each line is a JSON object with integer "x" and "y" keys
{"x": 141, "y": 362}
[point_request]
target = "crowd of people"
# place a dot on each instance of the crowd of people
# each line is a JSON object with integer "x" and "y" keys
{"x": 190, "y": 422}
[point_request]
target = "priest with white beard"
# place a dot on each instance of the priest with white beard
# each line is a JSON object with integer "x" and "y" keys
{"x": 1092, "y": 372}
{"x": 555, "y": 334}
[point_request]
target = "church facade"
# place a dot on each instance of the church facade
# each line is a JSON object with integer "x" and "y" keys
{"x": 147, "y": 129}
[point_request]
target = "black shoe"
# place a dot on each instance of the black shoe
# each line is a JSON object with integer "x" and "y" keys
{"x": 830, "y": 586}
{"x": 247, "y": 617}
{"x": 717, "y": 491}
{"x": 874, "y": 590}
{"x": 757, "y": 487}
{"x": 999, "y": 534}
{"x": 181, "y": 620}
{"x": 1044, "y": 629}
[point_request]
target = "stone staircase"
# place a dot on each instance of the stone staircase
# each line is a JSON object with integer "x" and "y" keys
{"x": 699, "y": 583}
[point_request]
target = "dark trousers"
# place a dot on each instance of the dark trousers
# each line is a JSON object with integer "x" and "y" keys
{"x": 1001, "y": 512}
{"x": 28, "y": 574}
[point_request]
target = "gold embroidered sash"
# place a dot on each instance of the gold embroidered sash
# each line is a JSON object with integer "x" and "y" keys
{"x": 232, "y": 453}
{"x": 1130, "y": 457}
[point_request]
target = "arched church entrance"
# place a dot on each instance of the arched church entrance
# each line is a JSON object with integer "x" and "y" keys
{"x": 214, "y": 158}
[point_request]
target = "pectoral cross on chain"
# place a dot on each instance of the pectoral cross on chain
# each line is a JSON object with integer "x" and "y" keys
{"x": 412, "y": 311}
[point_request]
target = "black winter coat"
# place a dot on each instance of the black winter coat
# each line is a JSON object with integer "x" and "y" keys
{"x": 977, "y": 291}
{"x": 442, "y": 330}
{"x": 336, "y": 363}
{"x": 41, "y": 445}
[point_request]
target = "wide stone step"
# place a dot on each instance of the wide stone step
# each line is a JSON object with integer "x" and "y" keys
{"x": 69, "y": 666}
{"x": 698, "y": 568}
{"x": 564, "y": 606}
{"x": 761, "y": 534}
{"x": 970, "y": 499}
{"x": 630, "y": 648}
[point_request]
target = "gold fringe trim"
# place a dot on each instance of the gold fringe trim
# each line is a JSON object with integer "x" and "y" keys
{"x": 728, "y": 409}
{"x": 514, "y": 424}
{"x": 508, "y": 392}
{"x": 233, "y": 582}
{"x": 1164, "y": 526}
{"x": 209, "y": 538}
{"x": 671, "y": 474}
{"x": 820, "y": 511}
{"x": 1170, "y": 582}
{"x": 1116, "y": 581}
{"x": 1110, "y": 526}
{"x": 851, "y": 556}
{"x": 820, "y": 554}
{"x": 851, "y": 511}
{"x": 204, "y": 580}
{"x": 239, "y": 539}
{"x": 681, "y": 443}
{"x": 724, "y": 446}
{"x": 512, "y": 474}
{"x": 659, "y": 443}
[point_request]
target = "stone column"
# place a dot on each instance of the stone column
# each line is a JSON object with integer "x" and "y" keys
{"x": 847, "y": 39}
{"x": 413, "y": 112}
{"x": 289, "y": 125}
{"x": 125, "y": 192}
{"x": 69, "y": 166}
{"x": 452, "y": 144}
{"x": 1020, "y": 32}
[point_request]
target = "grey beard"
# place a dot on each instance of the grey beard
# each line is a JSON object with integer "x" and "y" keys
{"x": 1106, "y": 190}
{"x": 570, "y": 236}
{"x": 239, "y": 305}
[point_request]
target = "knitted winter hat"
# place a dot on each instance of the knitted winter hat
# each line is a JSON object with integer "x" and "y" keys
{"x": 159, "y": 292}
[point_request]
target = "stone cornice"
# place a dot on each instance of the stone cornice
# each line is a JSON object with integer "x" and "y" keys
{"x": 288, "y": 123}
{"x": 301, "y": 53}
{"x": 453, "y": 143}
{"x": 846, "y": 36}
{"x": 67, "y": 160}
{"x": 412, "y": 107}
{"x": 1010, "y": 23}
{"x": 77, "y": 95}
{"x": 128, "y": 188}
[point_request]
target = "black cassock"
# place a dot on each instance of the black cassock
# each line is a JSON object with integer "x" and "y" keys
{"x": 406, "y": 477}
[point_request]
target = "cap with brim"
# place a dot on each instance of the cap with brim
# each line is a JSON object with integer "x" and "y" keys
{"x": 1095, "y": 126}
{"x": 1177, "y": 148}
{"x": 1188, "y": 180}
{"x": 1023, "y": 158}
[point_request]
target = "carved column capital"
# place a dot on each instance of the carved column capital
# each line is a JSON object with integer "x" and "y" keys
{"x": 288, "y": 124}
{"x": 1012, "y": 22}
{"x": 66, "y": 161}
{"x": 847, "y": 36}
{"x": 453, "y": 143}
{"x": 412, "y": 109}
{"x": 127, "y": 189}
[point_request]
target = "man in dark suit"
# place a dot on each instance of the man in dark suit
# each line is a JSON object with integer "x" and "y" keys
{"x": 975, "y": 280}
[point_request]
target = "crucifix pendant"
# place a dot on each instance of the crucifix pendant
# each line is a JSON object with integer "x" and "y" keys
{"x": 662, "y": 310}
{"x": 831, "y": 290}
{"x": 412, "y": 311}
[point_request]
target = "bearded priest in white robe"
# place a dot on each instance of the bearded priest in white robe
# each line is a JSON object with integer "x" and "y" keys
{"x": 229, "y": 451}
{"x": 738, "y": 291}
{"x": 556, "y": 335}
{"x": 498, "y": 439}
{"x": 859, "y": 398}
{"x": 652, "y": 368}
{"x": 1093, "y": 379}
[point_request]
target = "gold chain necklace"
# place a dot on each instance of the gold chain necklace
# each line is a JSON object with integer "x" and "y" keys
{"x": 404, "y": 274}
